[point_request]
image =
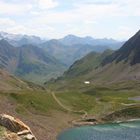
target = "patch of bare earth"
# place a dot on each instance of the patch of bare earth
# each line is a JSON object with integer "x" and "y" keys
{"x": 45, "y": 127}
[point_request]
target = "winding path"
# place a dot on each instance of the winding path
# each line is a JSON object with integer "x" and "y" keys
{"x": 68, "y": 109}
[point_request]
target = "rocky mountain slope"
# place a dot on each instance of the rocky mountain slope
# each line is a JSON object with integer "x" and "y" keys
{"x": 28, "y": 62}
{"x": 129, "y": 52}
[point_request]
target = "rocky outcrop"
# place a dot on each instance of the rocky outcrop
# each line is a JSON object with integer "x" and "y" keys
{"x": 15, "y": 129}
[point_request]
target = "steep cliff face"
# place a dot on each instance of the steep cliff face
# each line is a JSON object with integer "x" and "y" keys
{"x": 13, "y": 129}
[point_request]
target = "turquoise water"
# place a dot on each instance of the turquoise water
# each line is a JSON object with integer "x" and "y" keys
{"x": 121, "y": 131}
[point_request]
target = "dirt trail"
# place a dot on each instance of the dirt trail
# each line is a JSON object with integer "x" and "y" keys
{"x": 68, "y": 109}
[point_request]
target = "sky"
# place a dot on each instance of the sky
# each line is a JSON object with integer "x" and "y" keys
{"x": 118, "y": 19}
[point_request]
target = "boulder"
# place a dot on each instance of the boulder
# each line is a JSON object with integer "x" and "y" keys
{"x": 17, "y": 130}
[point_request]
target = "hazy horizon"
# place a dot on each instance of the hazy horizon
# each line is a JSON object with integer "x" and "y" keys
{"x": 57, "y": 18}
{"x": 47, "y": 38}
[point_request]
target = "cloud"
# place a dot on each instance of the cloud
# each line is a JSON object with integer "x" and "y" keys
{"x": 16, "y": 7}
{"x": 30, "y": 30}
{"x": 47, "y": 4}
{"x": 56, "y": 18}
{"x": 97, "y": 2}
{"x": 12, "y": 8}
{"x": 81, "y": 13}
{"x": 83, "y": 18}
{"x": 127, "y": 8}
{"x": 17, "y": 29}
{"x": 7, "y": 22}
{"x": 123, "y": 31}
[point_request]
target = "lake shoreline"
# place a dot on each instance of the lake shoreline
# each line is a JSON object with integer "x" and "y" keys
{"x": 89, "y": 122}
{"x": 104, "y": 126}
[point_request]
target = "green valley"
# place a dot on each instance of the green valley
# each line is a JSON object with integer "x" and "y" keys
{"x": 100, "y": 87}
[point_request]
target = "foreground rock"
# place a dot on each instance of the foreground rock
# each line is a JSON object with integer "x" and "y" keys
{"x": 14, "y": 129}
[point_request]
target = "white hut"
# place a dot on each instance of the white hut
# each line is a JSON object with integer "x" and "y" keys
{"x": 87, "y": 82}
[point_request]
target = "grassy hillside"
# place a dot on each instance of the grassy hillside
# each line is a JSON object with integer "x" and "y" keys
{"x": 9, "y": 82}
{"x": 86, "y": 64}
{"x": 38, "y": 108}
{"x": 124, "y": 114}
{"x": 113, "y": 94}
{"x": 96, "y": 99}
{"x": 34, "y": 105}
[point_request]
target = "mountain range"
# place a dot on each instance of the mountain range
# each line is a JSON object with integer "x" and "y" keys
{"x": 19, "y": 39}
{"x": 109, "y": 66}
{"x": 71, "y": 48}
{"x": 103, "y": 86}
{"x": 28, "y": 62}
{"x": 72, "y": 40}
{"x": 38, "y": 60}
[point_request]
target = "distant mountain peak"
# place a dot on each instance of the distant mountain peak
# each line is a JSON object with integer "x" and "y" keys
{"x": 20, "y": 39}
{"x": 88, "y": 40}
{"x": 4, "y": 42}
{"x": 70, "y": 36}
{"x": 129, "y": 52}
